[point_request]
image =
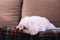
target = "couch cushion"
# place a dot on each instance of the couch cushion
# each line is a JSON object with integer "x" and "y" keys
{"x": 9, "y": 12}
{"x": 47, "y": 8}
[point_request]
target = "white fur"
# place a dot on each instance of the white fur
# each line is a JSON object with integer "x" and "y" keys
{"x": 36, "y": 24}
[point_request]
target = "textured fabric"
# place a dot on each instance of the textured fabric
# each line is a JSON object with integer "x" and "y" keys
{"x": 47, "y": 8}
{"x": 10, "y": 12}
{"x": 35, "y": 24}
{"x": 17, "y": 35}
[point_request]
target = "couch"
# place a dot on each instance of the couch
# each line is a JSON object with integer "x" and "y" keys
{"x": 11, "y": 11}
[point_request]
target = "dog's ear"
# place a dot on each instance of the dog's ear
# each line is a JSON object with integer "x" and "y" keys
{"x": 20, "y": 27}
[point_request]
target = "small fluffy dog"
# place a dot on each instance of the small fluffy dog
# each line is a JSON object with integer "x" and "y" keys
{"x": 35, "y": 24}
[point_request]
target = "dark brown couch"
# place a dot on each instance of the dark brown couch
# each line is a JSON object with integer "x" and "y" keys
{"x": 12, "y": 10}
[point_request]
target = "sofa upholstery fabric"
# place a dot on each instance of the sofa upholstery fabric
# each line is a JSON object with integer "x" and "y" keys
{"x": 10, "y": 12}
{"x": 46, "y": 8}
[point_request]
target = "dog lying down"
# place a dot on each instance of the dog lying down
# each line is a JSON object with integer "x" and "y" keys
{"x": 35, "y": 24}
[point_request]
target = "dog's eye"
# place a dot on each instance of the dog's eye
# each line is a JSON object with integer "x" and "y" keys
{"x": 24, "y": 27}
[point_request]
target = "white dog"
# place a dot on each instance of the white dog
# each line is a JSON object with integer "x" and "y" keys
{"x": 35, "y": 24}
